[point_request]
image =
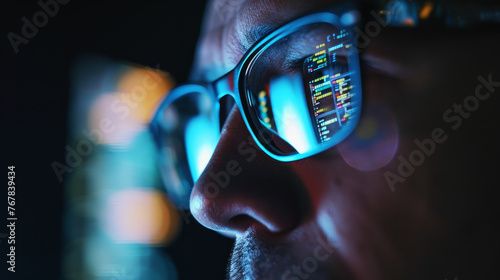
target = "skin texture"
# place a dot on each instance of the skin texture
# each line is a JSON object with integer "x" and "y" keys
{"x": 434, "y": 225}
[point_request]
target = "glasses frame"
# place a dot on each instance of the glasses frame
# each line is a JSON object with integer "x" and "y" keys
{"x": 234, "y": 83}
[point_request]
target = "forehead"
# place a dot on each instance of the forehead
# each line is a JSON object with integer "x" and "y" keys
{"x": 232, "y": 26}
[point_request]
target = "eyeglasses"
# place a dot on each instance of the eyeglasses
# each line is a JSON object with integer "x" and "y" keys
{"x": 298, "y": 90}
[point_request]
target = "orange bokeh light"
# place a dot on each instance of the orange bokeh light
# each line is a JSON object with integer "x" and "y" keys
{"x": 142, "y": 89}
{"x": 141, "y": 216}
{"x": 426, "y": 10}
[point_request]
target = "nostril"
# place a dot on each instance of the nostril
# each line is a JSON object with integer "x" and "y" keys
{"x": 244, "y": 223}
{"x": 241, "y": 222}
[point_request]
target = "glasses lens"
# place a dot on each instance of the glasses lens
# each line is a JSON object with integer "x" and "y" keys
{"x": 188, "y": 134}
{"x": 304, "y": 90}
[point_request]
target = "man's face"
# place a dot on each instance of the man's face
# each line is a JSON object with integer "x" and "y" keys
{"x": 376, "y": 209}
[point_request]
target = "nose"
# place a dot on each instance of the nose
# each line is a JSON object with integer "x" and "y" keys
{"x": 243, "y": 188}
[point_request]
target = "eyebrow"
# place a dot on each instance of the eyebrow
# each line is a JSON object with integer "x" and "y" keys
{"x": 255, "y": 34}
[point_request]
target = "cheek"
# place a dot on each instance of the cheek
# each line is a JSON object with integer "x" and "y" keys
{"x": 374, "y": 142}
{"x": 344, "y": 198}
{"x": 368, "y": 222}
{"x": 372, "y": 227}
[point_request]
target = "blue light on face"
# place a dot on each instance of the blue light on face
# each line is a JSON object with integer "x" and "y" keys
{"x": 201, "y": 139}
{"x": 296, "y": 123}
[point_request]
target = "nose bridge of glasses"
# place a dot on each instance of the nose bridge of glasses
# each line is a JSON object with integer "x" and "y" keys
{"x": 224, "y": 91}
{"x": 224, "y": 86}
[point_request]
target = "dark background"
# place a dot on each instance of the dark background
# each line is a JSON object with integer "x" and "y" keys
{"x": 35, "y": 86}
